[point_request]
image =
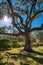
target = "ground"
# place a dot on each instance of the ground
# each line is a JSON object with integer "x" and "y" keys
{"x": 16, "y": 56}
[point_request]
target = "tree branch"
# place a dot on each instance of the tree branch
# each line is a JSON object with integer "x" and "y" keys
{"x": 32, "y": 7}
{"x": 17, "y": 15}
{"x": 38, "y": 12}
{"x": 34, "y": 29}
{"x": 20, "y": 10}
{"x": 21, "y": 27}
{"x": 14, "y": 13}
{"x": 10, "y": 5}
{"x": 12, "y": 34}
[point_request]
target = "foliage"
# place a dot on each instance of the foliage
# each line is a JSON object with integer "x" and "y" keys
{"x": 20, "y": 39}
{"x": 5, "y": 43}
{"x": 15, "y": 44}
{"x": 37, "y": 38}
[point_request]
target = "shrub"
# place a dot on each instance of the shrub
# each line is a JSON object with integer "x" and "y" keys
{"x": 5, "y": 43}
{"x": 15, "y": 44}
{"x": 21, "y": 40}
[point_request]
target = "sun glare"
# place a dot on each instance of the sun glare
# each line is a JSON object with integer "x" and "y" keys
{"x": 5, "y": 18}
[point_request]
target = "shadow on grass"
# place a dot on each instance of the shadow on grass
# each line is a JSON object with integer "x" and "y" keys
{"x": 24, "y": 64}
{"x": 2, "y": 64}
{"x": 5, "y": 49}
{"x": 38, "y": 59}
{"x": 36, "y": 52}
{"x": 32, "y": 55}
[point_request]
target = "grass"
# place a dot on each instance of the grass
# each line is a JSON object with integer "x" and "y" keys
{"x": 16, "y": 56}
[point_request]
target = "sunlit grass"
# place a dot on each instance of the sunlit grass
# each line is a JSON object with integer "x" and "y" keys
{"x": 17, "y": 56}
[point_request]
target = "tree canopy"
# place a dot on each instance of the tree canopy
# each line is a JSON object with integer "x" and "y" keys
{"x": 23, "y": 13}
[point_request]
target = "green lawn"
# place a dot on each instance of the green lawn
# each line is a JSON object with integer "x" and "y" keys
{"x": 16, "y": 56}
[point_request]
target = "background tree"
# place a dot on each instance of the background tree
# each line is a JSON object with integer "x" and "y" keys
{"x": 23, "y": 13}
{"x": 39, "y": 36}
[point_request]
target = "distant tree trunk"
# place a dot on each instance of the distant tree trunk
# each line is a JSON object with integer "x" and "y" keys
{"x": 27, "y": 46}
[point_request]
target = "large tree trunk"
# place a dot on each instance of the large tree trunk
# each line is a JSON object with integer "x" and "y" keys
{"x": 27, "y": 46}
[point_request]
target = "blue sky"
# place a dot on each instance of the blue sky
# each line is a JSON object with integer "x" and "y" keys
{"x": 36, "y": 23}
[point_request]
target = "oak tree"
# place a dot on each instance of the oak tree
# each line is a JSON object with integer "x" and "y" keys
{"x": 23, "y": 13}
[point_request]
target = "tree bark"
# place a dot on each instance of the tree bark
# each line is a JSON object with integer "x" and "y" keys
{"x": 27, "y": 46}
